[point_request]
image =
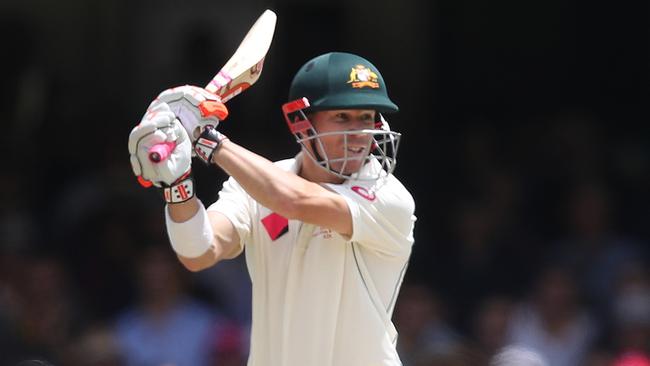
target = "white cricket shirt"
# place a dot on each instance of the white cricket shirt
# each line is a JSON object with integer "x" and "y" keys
{"x": 320, "y": 299}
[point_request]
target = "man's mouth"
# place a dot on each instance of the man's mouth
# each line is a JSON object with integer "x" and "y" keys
{"x": 355, "y": 150}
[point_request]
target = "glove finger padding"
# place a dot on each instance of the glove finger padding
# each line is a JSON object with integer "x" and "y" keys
{"x": 160, "y": 126}
{"x": 195, "y": 107}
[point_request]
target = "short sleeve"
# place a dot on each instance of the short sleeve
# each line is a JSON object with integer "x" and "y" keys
{"x": 236, "y": 205}
{"x": 383, "y": 220}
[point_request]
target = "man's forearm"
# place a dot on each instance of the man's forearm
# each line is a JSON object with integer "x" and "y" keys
{"x": 264, "y": 181}
{"x": 181, "y": 212}
{"x": 191, "y": 235}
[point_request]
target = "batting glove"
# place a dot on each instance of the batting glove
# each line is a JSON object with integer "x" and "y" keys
{"x": 160, "y": 125}
{"x": 195, "y": 108}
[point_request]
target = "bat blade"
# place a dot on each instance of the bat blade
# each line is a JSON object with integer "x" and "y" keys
{"x": 245, "y": 66}
{"x": 240, "y": 72}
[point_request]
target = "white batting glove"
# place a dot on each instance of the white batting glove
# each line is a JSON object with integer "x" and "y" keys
{"x": 195, "y": 107}
{"x": 160, "y": 125}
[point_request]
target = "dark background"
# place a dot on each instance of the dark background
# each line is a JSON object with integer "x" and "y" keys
{"x": 524, "y": 123}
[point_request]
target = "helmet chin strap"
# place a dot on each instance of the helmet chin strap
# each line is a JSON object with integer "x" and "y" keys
{"x": 319, "y": 158}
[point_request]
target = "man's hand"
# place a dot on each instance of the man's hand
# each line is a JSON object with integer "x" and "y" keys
{"x": 194, "y": 107}
{"x": 160, "y": 125}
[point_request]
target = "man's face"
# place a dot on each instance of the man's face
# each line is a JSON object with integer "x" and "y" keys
{"x": 355, "y": 147}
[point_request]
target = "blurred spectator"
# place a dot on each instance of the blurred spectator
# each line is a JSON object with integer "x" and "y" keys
{"x": 599, "y": 357}
{"x": 230, "y": 286}
{"x": 490, "y": 325}
{"x": 631, "y": 311}
{"x": 165, "y": 326}
{"x": 11, "y": 265}
{"x": 481, "y": 259}
{"x": 229, "y": 281}
{"x": 553, "y": 323}
{"x": 573, "y": 144}
{"x": 593, "y": 248}
{"x": 26, "y": 93}
{"x": 108, "y": 263}
{"x": 97, "y": 346}
{"x": 454, "y": 359}
{"x": 422, "y": 326}
{"x": 49, "y": 314}
{"x": 632, "y": 359}
{"x": 18, "y": 242}
{"x": 517, "y": 356}
{"x": 230, "y": 346}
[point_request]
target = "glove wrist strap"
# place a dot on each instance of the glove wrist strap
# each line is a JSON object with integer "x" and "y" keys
{"x": 208, "y": 142}
{"x": 181, "y": 191}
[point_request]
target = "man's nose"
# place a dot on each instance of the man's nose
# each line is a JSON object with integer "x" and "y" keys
{"x": 361, "y": 124}
{"x": 356, "y": 136}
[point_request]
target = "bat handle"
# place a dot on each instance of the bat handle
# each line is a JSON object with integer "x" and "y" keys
{"x": 161, "y": 151}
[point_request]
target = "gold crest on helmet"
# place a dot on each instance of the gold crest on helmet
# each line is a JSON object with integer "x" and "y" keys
{"x": 361, "y": 77}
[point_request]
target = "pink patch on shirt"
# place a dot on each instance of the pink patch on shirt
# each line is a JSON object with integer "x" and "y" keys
{"x": 276, "y": 225}
{"x": 370, "y": 196}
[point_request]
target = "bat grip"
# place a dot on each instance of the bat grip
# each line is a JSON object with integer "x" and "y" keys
{"x": 161, "y": 151}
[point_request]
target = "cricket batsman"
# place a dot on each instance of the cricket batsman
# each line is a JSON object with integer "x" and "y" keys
{"x": 327, "y": 234}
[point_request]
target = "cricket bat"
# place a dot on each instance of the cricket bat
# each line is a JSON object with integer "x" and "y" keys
{"x": 240, "y": 72}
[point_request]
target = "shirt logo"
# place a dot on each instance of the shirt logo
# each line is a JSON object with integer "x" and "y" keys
{"x": 325, "y": 233}
{"x": 370, "y": 196}
{"x": 361, "y": 77}
{"x": 275, "y": 225}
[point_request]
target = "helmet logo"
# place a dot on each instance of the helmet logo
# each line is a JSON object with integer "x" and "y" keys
{"x": 361, "y": 77}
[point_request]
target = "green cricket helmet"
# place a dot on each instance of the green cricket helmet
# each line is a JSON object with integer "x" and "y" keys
{"x": 339, "y": 80}
{"x": 336, "y": 81}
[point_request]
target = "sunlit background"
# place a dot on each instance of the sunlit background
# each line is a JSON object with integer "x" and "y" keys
{"x": 526, "y": 147}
